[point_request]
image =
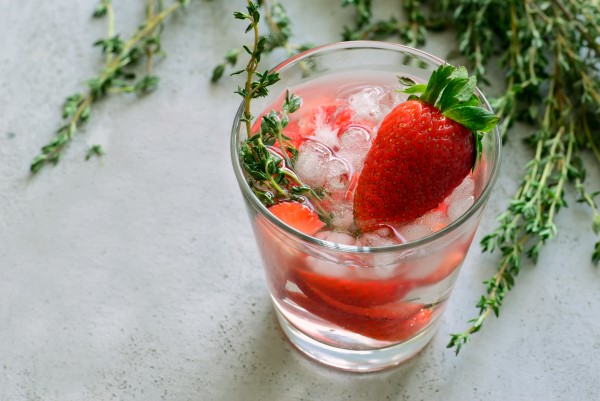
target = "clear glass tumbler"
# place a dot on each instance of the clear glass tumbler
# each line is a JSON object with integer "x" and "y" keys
{"x": 405, "y": 286}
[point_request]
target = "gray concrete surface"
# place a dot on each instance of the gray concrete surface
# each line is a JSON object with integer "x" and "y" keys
{"x": 136, "y": 277}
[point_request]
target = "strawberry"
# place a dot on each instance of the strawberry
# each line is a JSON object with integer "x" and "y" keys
{"x": 364, "y": 293}
{"x": 423, "y": 149}
{"x": 392, "y": 310}
{"x": 298, "y": 216}
{"x": 378, "y": 328}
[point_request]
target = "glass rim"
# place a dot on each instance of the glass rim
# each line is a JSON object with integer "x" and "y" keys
{"x": 264, "y": 211}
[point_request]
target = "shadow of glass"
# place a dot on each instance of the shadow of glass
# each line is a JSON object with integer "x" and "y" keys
{"x": 272, "y": 369}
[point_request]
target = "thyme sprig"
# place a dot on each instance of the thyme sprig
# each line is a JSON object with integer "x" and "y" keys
{"x": 279, "y": 35}
{"x": 117, "y": 75}
{"x": 270, "y": 173}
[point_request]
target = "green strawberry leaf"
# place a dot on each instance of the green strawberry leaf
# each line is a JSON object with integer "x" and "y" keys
{"x": 473, "y": 101}
{"x": 448, "y": 99}
{"x": 437, "y": 82}
{"x": 459, "y": 90}
{"x": 415, "y": 89}
{"x": 460, "y": 72}
{"x": 466, "y": 93}
{"x": 472, "y": 117}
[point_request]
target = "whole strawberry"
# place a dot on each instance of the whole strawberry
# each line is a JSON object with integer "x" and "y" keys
{"x": 424, "y": 148}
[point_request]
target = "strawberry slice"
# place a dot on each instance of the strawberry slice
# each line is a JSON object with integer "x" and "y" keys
{"x": 362, "y": 293}
{"x": 383, "y": 329}
{"x": 424, "y": 148}
{"x": 393, "y": 310}
{"x": 298, "y": 216}
{"x": 334, "y": 115}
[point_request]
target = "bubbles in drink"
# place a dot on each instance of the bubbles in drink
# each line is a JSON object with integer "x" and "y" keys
{"x": 461, "y": 199}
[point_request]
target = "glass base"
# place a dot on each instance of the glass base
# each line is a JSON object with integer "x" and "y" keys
{"x": 356, "y": 360}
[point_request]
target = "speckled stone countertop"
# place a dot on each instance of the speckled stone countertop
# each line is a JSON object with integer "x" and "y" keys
{"x": 136, "y": 276}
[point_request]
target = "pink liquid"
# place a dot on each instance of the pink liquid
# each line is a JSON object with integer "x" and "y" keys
{"x": 359, "y": 300}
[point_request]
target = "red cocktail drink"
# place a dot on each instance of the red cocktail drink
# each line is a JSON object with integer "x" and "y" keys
{"x": 354, "y": 296}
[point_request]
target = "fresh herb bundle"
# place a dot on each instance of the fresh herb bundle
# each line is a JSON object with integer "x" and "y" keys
{"x": 551, "y": 61}
{"x": 117, "y": 75}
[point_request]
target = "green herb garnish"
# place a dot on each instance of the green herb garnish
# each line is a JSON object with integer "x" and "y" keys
{"x": 270, "y": 176}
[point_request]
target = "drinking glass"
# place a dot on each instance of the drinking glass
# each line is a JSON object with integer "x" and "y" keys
{"x": 398, "y": 292}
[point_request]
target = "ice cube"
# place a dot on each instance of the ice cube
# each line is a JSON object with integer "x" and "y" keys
{"x": 325, "y": 133}
{"x": 355, "y": 142}
{"x": 326, "y": 264}
{"x": 435, "y": 220}
{"x": 366, "y": 103}
{"x": 343, "y": 215}
{"x": 355, "y": 135}
{"x": 380, "y": 261}
{"x": 463, "y": 190}
{"x": 421, "y": 268}
{"x": 325, "y": 267}
{"x": 375, "y": 240}
{"x": 313, "y": 158}
{"x": 337, "y": 175}
{"x": 390, "y": 98}
{"x": 336, "y": 237}
{"x": 415, "y": 231}
{"x": 461, "y": 199}
{"x": 459, "y": 206}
